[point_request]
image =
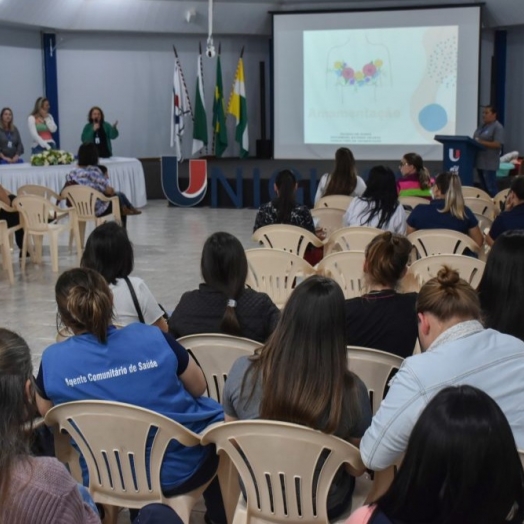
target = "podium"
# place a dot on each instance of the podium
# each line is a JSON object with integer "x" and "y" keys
{"x": 459, "y": 155}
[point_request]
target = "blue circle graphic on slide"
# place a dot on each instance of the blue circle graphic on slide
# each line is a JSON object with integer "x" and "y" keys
{"x": 433, "y": 117}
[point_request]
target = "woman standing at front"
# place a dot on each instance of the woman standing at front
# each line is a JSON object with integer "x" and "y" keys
{"x": 99, "y": 132}
{"x": 11, "y": 148}
{"x": 41, "y": 124}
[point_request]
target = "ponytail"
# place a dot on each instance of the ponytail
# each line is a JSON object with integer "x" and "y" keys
{"x": 449, "y": 185}
{"x": 84, "y": 302}
{"x": 224, "y": 268}
{"x": 424, "y": 178}
{"x": 285, "y": 201}
{"x": 415, "y": 160}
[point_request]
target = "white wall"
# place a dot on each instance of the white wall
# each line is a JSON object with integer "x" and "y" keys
{"x": 514, "y": 94}
{"x": 22, "y": 79}
{"x": 130, "y": 77}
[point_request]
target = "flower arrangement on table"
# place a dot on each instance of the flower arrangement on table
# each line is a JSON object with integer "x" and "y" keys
{"x": 52, "y": 157}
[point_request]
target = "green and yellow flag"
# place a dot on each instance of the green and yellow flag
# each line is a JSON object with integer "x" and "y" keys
{"x": 219, "y": 113}
{"x": 238, "y": 108}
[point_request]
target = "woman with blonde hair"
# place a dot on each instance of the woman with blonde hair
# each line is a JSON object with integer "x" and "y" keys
{"x": 301, "y": 376}
{"x": 416, "y": 180}
{"x": 11, "y": 147}
{"x": 41, "y": 124}
{"x": 383, "y": 318}
{"x": 344, "y": 179}
{"x": 447, "y": 210}
{"x": 456, "y": 350}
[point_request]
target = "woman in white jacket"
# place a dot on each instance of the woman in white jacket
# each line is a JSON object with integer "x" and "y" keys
{"x": 41, "y": 124}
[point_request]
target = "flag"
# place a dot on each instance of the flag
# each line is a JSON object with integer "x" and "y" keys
{"x": 238, "y": 108}
{"x": 200, "y": 120}
{"x": 180, "y": 107}
{"x": 219, "y": 115}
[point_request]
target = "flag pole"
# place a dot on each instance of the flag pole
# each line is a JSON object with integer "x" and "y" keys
{"x": 183, "y": 80}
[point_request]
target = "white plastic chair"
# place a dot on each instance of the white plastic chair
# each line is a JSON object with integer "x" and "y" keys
{"x": 346, "y": 268}
{"x": 411, "y": 202}
{"x": 500, "y": 199}
{"x": 279, "y": 464}
{"x": 292, "y": 239}
{"x": 469, "y": 268}
{"x": 275, "y": 272}
{"x": 481, "y": 206}
{"x": 335, "y": 201}
{"x": 428, "y": 242}
{"x": 354, "y": 238}
{"x": 83, "y": 200}
{"x": 35, "y": 212}
{"x": 485, "y": 223}
{"x": 474, "y": 192}
{"x": 216, "y": 353}
{"x": 11, "y": 230}
{"x": 329, "y": 219}
{"x": 5, "y": 249}
{"x": 112, "y": 438}
{"x": 374, "y": 368}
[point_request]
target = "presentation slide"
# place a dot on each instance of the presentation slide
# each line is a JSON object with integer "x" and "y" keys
{"x": 383, "y": 83}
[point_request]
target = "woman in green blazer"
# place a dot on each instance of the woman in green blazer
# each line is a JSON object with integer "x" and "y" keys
{"x": 99, "y": 132}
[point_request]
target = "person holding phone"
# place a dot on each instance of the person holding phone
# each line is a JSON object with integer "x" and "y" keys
{"x": 41, "y": 125}
{"x": 99, "y": 132}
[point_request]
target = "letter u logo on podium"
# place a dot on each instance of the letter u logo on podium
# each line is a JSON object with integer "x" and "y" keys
{"x": 196, "y": 189}
{"x": 454, "y": 154}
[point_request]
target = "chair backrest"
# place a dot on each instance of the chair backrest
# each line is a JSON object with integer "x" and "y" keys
{"x": 5, "y": 250}
{"x": 374, "y": 368}
{"x": 336, "y": 201}
{"x": 474, "y": 192}
{"x": 500, "y": 199}
{"x": 35, "y": 211}
{"x": 43, "y": 191}
{"x": 346, "y": 268}
{"x": 427, "y": 242}
{"x": 113, "y": 439}
{"x": 470, "y": 269}
{"x": 281, "y": 484}
{"x": 354, "y": 238}
{"x": 329, "y": 218}
{"x": 83, "y": 199}
{"x": 481, "y": 206}
{"x": 274, "y": 272}
{"x": 485, "y": 223}
{"x": 411, "y": 202}
{"x": 216, "y": 353}
{"x": 292, "y": 239}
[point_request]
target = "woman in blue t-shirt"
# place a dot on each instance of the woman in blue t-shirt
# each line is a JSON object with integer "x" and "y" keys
{"x": 164, "y": 378}
{"x": 447, "y": 210}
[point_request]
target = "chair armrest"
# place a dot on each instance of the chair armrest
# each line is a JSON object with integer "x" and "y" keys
{"x": 7, "y": 208}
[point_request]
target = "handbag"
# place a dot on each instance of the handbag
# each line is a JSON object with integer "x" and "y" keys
{"x": 165, "y": 316}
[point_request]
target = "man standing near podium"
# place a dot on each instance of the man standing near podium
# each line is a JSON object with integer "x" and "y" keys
{"x": 491, "y": 135}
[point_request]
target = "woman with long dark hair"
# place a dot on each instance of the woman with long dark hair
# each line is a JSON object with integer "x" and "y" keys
{"x": 301, "y": 376}
{"x": 378, "y": 206}
{"x": 383, "y": 318}
{"x": 168, "y": 381}
{"x": 502, "y": 286}
{"x": 283, "y": 209}
{"x": 344, "y": 179}
{"x": 447, "y": 210}
{"x": 223, "y": 304}
{"x": 416, "y": 180}
{"x": 461, "y": 467}
{"x": 33, "y": 490}
{"x": 109, "y": 252}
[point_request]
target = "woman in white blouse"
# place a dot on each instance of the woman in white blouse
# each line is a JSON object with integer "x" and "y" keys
{"x": 41, "y": 124}
{"x": 378, "y": 206}
{"x": 344, "y": 179}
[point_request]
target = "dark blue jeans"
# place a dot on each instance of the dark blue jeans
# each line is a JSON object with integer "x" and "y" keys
{"x": 488, "y": 181}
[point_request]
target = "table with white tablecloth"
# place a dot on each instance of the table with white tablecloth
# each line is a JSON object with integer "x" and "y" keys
{"x": 125, "y": 175}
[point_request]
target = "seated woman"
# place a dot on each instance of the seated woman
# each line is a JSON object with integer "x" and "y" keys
{"x": 89, "y": 174}
{"x": 99, "y": 132}
{"x": 33, "y": 490}
{"x": 41, "y": 124}
{"x": 11, "y": 148}
{"x": 502, "y": 286}
{"x": 383, "y": 318}
{"x": 461, "y": 465}
{"x": 223, "y": 304}
{"x": 172, "y": 387}
{"x": 447, "y": 210}
{"x": 344, "y": 179}
{"x": 12, "y": 218}
{"x": 287, "y": 379}
{"x": 109, "y": 251}
{"x": 416, "y": 180}
{"x": 378, "y": 206}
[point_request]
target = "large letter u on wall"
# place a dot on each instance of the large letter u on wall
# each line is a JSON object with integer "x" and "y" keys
{"x": 196, "y": 189}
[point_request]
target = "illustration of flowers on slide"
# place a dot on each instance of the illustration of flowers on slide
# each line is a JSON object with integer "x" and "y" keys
{"x": 368, "y": 75}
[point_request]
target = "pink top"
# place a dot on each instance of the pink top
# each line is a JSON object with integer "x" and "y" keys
{"x": 361, "y": 515}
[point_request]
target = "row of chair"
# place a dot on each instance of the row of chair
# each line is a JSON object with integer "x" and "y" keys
{"x": 41, "y": 214}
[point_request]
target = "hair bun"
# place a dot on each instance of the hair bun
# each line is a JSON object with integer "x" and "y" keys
{"x": 447, "y": 277}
